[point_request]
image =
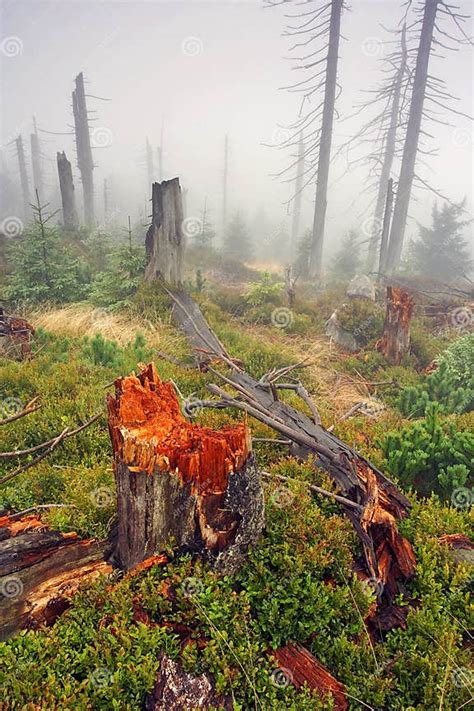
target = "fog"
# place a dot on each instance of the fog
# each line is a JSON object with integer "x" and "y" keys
{"x": 188, "y": 73}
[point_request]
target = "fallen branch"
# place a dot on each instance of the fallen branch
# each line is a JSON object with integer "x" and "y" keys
{"x": 48, "y": 443}
{"x": 28, "y": 410}
{"x": 316, "y": 489}
{"x": 35, "y": 461}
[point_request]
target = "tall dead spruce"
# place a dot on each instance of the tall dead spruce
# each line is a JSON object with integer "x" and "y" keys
{"x": 316, "y": 122}
{"x": 85, "y": 160}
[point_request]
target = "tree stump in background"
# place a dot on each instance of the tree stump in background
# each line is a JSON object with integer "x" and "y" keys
{"x": 395, "y": 341}
{"x": 179, "y": 482}
{"x": 68, "y": 197}
{"x": 165, "y": 240}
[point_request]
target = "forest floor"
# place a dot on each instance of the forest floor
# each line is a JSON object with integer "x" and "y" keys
{"x": 298, "y": 584}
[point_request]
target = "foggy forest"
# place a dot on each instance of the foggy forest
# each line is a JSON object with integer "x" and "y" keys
{"x": 236, "y": 355}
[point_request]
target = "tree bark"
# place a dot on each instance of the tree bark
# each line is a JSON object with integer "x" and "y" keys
{"x": 85, "y": 160}
{"x": 407, "y": 170}
{"x": 36, "y": 161}
{"x": 40, "y": 570}
{"x": 389, "y": 155}
{"x": 386, "y": 229}
{"x": 295, "y": 224}
{"x": 316, "y": 254}
{"x": 68, "y": 196}
{"x": 175, "y": 480}
{"x": 25, "y": 187}
{"x": 165, "y": 239}
{"x": 395, "y": 341}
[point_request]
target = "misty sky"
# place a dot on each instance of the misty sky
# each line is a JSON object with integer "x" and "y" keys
{"x": 204, "y": 69}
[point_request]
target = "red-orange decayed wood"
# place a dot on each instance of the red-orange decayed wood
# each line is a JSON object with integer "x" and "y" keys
{"x": 302, "y": 668}
{"x": 149, "y": 433}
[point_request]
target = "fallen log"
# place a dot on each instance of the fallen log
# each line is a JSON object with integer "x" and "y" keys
{"x": 395, "y": 341}
{"x": 175, "y": 480}
{"x": 388, "y": 556}
{"x": 299, "y": 667}
{"x": 40, "y": 570}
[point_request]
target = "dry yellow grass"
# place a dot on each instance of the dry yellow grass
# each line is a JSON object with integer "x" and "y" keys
{"x": 338, "y": 391}
{"x": 78, "y": 320}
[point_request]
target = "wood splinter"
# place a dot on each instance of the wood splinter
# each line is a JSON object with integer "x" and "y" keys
{"x": 177, "y": 481}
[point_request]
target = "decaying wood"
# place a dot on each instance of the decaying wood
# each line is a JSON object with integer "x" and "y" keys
{"x": 40, "y": 570}
{"x": 178, "y": 480}
{"x": 165, "y": 239}
{"x": 15, "y": 336}
{"x": 300, "y": 668}
{"x": 176, "y": 690}
{"x": 395, "y": 341}
{"x": 85, "y": 161}
{"x": 68, "y": 196}
{"x": 388, "y": 556}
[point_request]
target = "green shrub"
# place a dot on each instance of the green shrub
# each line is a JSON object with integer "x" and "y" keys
{"x": 440, "y": 387}
{"x": 265, "y": 291}
{"x": 363, "y": 318}
{"x": 430, "y": 455}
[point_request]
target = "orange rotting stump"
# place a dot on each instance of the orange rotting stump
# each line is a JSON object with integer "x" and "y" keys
{"x": 178, "y": 481}
{"x": 149, "y": 433}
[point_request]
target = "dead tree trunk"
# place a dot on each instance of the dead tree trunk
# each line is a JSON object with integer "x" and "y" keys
{"x": 316, "y": 254}
{"x": 224, "y": 185}
{"x": 407, "y": 170}
{"x": 68, "y": 197}
{"x": 371, "y": 501}
{"x": 389, "y": 154}
{"x": 36, "y": 160}
{"x": 85, "y": 160}
{"x": 25, "y": 187}
{"x": 40, "y": 570}
{"x": 198, "y": 486}
{"x": 295, "y": 225}
{"x": 150, "y": 170}
{"x": 387, "y": 218}
{"x": 165, "y": 238}
{"x": 290, "y": 285}
{"x": 395, "y": 341}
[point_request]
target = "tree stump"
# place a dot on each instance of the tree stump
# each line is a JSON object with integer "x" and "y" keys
{"x": 395, "y": 341}
{"x": 180, "y": 482}
{"x": 165, "y": 240}
{"x": 68, "y": 197}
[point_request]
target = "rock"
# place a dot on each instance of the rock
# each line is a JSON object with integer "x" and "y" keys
{"x": 176, "y": 690}
{"x": 361, "y": 287}
{"x": 343, "y": 338}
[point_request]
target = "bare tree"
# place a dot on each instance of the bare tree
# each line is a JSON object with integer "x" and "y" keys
{"x": 322, "y": 21}
{"x": 25, "y": 186}
{"x": 85, "y": 161}
{"x": 68, "y": 197}
{"x": 224, "y": 183}
{"x": 149, "y": 163}
{"x": 36, "y": 159}
{"x": 388, "y": 133}
{"x": 426, "y": 89}
{"x": 295, "y": 224}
